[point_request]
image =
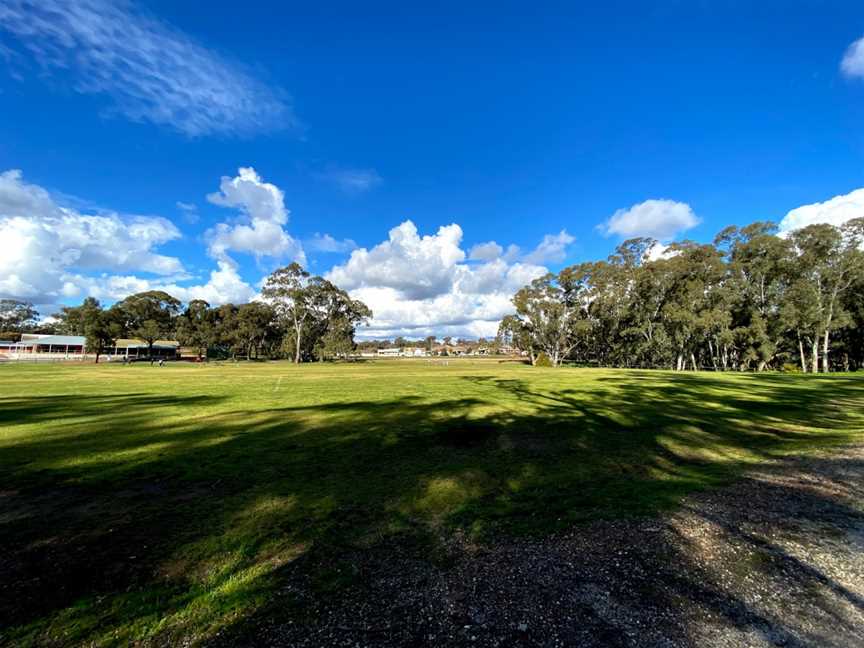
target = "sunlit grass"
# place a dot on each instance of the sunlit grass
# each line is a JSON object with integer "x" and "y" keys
{"x": 167, "y": 504}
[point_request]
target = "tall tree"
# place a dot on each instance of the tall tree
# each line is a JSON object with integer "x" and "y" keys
{"x": 196, "y": 327}
{"x": 17, "y": 316}
{"x": 829, "y": 261}
{"x": 149, "y": 316}
{"x": 102, "y": 329}
{"x": 286, "y": 292}
{"x": 308, "y": 306}
{"x": 551, "y": 312}
{"x": 72, "y": 320}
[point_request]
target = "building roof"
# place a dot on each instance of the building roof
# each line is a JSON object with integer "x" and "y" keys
{"x": 59, "y": 340}
{"x": 132, "y": 343}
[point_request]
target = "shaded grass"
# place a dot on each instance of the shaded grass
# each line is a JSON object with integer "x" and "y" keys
{"x": 143, "y": 503}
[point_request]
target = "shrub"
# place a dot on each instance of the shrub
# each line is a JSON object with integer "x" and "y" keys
{"x": 543, "y": 360}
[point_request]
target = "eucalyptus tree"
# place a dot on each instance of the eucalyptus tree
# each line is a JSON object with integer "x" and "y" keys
{"x": 17, "y": 316}
{"x": 72, "y": 320}
{"x": 149, "y": 316}
{"x": 285, "y": 290}
{"x": 102, "y": 328}
{"x": 758, "y": 277}
{"x": 196, "y": 327}
{"x": 256, "y": 329}
{"x": 308, "y": 306}
{"x": 829, "y": 261}
{"x": 552, "y": 314}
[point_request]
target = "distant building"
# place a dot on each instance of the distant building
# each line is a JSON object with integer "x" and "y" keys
{"x": 402, "y": 352}
{"x": 73, "y": 347}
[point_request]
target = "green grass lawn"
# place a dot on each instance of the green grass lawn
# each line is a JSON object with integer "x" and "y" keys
{"x": 140, "y": 502}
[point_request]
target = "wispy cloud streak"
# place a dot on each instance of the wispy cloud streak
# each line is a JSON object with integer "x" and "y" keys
{"x": 152, "y": 71}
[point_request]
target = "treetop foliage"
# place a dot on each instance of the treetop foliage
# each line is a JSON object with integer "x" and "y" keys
{"x": 751, "y": 300}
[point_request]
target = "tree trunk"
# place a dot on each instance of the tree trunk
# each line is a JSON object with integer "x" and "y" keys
{"x": 801, "y": 352}
{"x": 297, "y": 350}
{"x": 693, "y": 360}
{"x": 679, "y": 364}
{"x": 825, "y": 352}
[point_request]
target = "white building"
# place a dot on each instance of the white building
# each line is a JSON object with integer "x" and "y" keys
{"x": 392, "y": 352}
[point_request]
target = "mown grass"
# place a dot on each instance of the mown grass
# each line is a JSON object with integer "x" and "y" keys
{"x": 142, "y": 503}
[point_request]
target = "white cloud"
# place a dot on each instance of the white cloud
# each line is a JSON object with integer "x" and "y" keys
{"x": 852, "y": 64}
{"x": 326, "y": 243}
{"x": 151, "y": 70}
{"x": 189, "y": 211}
{"x": 352, "y": 181}
{"x": 659, "y": 219}
{"x": 417, "y": 267}
{"x": 552, "y": 249}
{"x": 41, "y": 242}
{"x": 836, "y": 211}
{"x": 262, "y": 215}
{"x": 485, "y": 251}
{"x": 223, "y": 286}
{"x": 420, "y": 285}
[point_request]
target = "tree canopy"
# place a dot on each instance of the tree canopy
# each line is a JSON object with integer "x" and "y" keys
{"x": 751, "y": 300}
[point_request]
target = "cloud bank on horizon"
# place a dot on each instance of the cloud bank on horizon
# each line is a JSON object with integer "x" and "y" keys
{"x": 416, "y": 284}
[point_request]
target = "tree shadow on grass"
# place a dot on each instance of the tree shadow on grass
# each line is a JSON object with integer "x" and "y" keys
{"x": 121, "y": 523}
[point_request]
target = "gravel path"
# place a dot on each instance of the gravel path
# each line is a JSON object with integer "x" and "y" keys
{"x": 775, "y": 560}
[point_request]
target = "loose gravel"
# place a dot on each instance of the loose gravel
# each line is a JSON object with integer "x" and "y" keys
{"x": 777, "y": 559}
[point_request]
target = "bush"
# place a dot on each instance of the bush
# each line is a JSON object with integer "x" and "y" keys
{"x": 543, "y": 360}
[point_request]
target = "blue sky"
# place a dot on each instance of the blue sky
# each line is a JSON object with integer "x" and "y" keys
{"x": 511, "y": 126}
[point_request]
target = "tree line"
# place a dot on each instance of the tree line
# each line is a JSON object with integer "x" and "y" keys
{"x": 751, "y": 300}
{"x": 300, "y": 316}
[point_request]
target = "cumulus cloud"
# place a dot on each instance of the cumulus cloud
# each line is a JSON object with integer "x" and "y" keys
{"x": 552, "y": 249}
{"x": 852, "y": 64}
{"x": 421, "y": 284}
{"x": 352, "y": 181}
{"x": 43, "y": 243}
{"x": 326, "y": 243}
{"x": 659, "y": 219}
{"x": 260, "y": 231}
{"x": 835, "y": 211}
{"x": 417, "y": 267}
{"x": 485, "y": 251}
{"x": 223, "y": 286}
{"x": 152, "y": 71}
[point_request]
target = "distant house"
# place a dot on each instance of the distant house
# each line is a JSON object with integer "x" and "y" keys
{"x": 392, "y": 352}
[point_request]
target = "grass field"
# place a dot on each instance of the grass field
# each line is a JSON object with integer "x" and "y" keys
{"x": 146, "y": 503}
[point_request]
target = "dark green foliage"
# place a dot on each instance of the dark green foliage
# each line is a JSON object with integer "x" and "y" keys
{"x": 751, "y": 301}
{"x": 17, "y": 316}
